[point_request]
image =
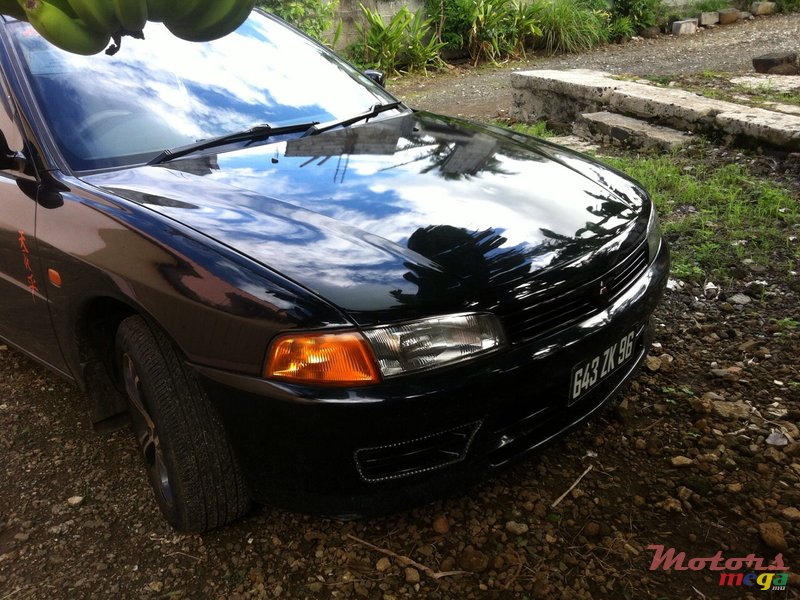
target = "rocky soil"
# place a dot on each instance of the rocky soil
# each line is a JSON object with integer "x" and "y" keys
{"x": 701, "y": 454}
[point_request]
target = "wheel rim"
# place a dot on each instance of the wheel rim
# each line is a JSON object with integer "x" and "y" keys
{"x": 146, "y": 431}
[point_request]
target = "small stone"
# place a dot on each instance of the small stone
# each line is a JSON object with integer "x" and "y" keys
{"x": 156, "y": 586}
{"x": 773, "y": 536}
{"x": 776, "y": 438}
{"x": 791, "y": 513}
{"x": 592, "y": 529}
{"x": 441, "y": 525}
{"x": 22, "y": 537}
{"x": 515, "y": 528}
{"x": 75, "y": 501}
{"x": 731, "y": 410}
{"x": 681, "y": 461}
{"x": 412, "y": 575}
{"x": 671, "y": 505}
{"x": 729, "y": 374}
{"x": 702, "y": 406}
{"x": 315, "y": 586}
{"x": 773, "y": 454}
{"x": 652, "y": 363}
{"x": 383, "y": 564}
{"x": 766, "y": 62}
{"x": 784, "y": 70}
{"x": 707, "y": 19}
{"x": 729, "y": 15}
{"x": 473, "y": 560}
{"x": 734, "y": 488}
{"x": 686, "y": 27}
{"x": 740, "y": 298}
{"x": 624, "y": 410}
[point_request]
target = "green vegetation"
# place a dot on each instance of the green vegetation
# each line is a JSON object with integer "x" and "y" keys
{"x": 315, "y": 17}
{"x": 571, "y": 26}
{"x": 788, "y": 5}
{"x": 405, "y": 43}
{"x": 501, "y": 28}
{"x": 701, "y": 6}
{"x": 716, "y": 216}
{"x": 538, "y": 129}
{"x": 787, "y": 323}
{"x": 641, "y": 13}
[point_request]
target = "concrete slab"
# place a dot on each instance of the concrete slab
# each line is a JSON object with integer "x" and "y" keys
{"x": 561, "y": 96}
{"x": 613, "y": 128}
{"x": 685, "y": 27}
{"x": 676, "y": 107}
{"x": 761, "y": 125}
{"x": 789, "y": 109}
{"x": 729, "y": 15}
{"x": 707, "y": 19}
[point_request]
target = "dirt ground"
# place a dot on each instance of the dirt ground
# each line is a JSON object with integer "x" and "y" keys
{"x": 700, "y": 454}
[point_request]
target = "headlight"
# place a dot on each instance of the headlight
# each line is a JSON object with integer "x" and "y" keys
{"x": 434, "y": 342}
{"x": 353, "y": 358}
{"x": 653, "y": 234}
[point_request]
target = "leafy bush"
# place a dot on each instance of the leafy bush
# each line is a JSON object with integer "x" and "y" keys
{"x": 620, "y": 29}
{"x": 453, "y": 19}
{"x": 571, "y": 26}
{"x": 315, "y": 17}
{"x": 406, "y": 42}
{"x": 642, "y": 13}
{"x": 500, "y": 28}
{"x": 788, "y": 5}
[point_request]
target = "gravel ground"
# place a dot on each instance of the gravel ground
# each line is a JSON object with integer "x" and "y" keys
{"x": 485, "y": 93}
{"x": 701, "y": 454}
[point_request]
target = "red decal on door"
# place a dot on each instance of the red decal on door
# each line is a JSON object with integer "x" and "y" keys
{"x": 26, "y": 262}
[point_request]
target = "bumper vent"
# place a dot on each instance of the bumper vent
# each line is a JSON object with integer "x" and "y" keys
{"x": 556, "y": 311}
{"x": 415, "y": 456}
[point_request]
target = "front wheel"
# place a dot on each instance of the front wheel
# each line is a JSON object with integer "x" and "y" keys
{"x": 191, "y": 466}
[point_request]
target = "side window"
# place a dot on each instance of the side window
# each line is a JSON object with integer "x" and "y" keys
{"x": 9, "y": 129}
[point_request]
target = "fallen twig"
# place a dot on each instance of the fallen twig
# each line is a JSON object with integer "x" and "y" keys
{"x": 558, "y": 500}
{"x": 406, "y": 561}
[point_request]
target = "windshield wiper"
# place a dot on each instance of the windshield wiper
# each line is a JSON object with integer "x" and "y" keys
{"x": 372, "y": 112}
{"x": 254, "y": 134}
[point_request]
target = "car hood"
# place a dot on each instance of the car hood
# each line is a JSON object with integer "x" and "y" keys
{"x": 404, "y": 216}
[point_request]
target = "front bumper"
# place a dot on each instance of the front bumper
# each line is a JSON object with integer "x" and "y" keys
{"x": 373, "y": 450}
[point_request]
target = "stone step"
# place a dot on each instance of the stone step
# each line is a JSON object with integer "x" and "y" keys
{"x": 615, "y": 129}
{"x": 559, "y": 97}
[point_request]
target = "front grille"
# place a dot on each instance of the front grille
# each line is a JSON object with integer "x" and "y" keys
{"x": 420, "y": 455}
{"x": 558, "y": 310}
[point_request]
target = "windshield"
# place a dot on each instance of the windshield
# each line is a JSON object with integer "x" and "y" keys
{"x": 162, "y": 92}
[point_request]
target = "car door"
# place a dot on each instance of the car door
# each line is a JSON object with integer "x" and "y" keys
{"x": 24, "y": 314}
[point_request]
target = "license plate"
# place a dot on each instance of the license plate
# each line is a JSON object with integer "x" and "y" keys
{"x": 590, "y": 373}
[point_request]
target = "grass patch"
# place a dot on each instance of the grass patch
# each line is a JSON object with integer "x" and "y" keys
{"x": 715, "y": 216}
{"x": 538, "y": 129}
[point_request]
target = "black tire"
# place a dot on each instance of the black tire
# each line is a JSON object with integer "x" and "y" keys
{"x": 190, "y": 463}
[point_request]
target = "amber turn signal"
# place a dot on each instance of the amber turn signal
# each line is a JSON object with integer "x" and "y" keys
{"x": 322, "y": 358}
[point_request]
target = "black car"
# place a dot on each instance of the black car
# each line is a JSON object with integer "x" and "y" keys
{"x": 302, "y": 291}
